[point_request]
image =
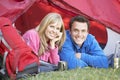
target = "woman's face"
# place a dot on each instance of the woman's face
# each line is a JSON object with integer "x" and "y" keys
{"x": 52, "y": 31}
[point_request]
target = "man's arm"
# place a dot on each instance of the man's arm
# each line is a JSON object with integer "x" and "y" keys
{"x": 67, "y": 54}
{"x": 95, "y": 56}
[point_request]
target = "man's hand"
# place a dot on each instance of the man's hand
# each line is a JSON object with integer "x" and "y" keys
{"x": 78, "y": 55}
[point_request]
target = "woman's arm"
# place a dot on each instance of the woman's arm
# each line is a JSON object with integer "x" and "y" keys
{"x": 32, "y": 39}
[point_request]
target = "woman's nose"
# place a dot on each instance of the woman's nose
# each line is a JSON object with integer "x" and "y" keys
{"x": 55, "y": 30}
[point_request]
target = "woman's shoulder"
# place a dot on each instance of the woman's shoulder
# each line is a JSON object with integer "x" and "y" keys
{"x": 30, "y": 32}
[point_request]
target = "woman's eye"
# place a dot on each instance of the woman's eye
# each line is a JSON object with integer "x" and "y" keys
{"x": 52, "y": 26}
{"x": 58, "y": 28}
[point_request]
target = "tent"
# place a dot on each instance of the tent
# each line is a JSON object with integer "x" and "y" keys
{"x": 27, "y": 14}
{"x": 104, "y": 11}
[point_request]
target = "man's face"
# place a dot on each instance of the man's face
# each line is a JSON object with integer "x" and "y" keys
{"x": 79, "y": 32}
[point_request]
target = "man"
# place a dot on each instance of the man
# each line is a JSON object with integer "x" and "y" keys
{"x": 81, "y": 49}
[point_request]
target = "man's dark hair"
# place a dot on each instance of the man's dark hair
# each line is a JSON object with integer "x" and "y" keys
{"x": 79, "y": 19}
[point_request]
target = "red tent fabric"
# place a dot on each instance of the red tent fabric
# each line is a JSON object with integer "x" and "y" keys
{"x": 106, "y": 12}
{"x": 34, "y": 15}
{"x": 27, "y": 14}
{"x": 12, "y": 9}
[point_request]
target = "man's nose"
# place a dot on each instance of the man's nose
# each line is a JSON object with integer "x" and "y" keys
{"x": 79, "y": 33}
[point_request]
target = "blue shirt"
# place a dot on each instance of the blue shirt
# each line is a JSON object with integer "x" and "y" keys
{"x": 91, "y": 53}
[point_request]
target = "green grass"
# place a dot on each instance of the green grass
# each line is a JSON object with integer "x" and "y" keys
{"x": 79, "y": 74}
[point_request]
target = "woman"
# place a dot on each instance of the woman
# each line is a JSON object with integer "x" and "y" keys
{"x": 46, "y": 40}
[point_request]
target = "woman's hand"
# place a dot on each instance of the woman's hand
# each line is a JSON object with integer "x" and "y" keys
{"x": 59, "y": 35}
{"x": 52, "y": 42}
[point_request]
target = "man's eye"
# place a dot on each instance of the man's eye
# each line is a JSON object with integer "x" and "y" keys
{"x": 75, "y": 31}
{"x": 83, "y": 30}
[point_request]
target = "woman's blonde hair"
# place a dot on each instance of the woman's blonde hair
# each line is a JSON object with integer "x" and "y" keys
{"x": 46, "y": 21}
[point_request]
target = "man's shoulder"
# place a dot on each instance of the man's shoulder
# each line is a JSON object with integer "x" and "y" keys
{"x": 90, "y": 36}
{"x": 67, "y": 32}
{"x": 68, "y": 38}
